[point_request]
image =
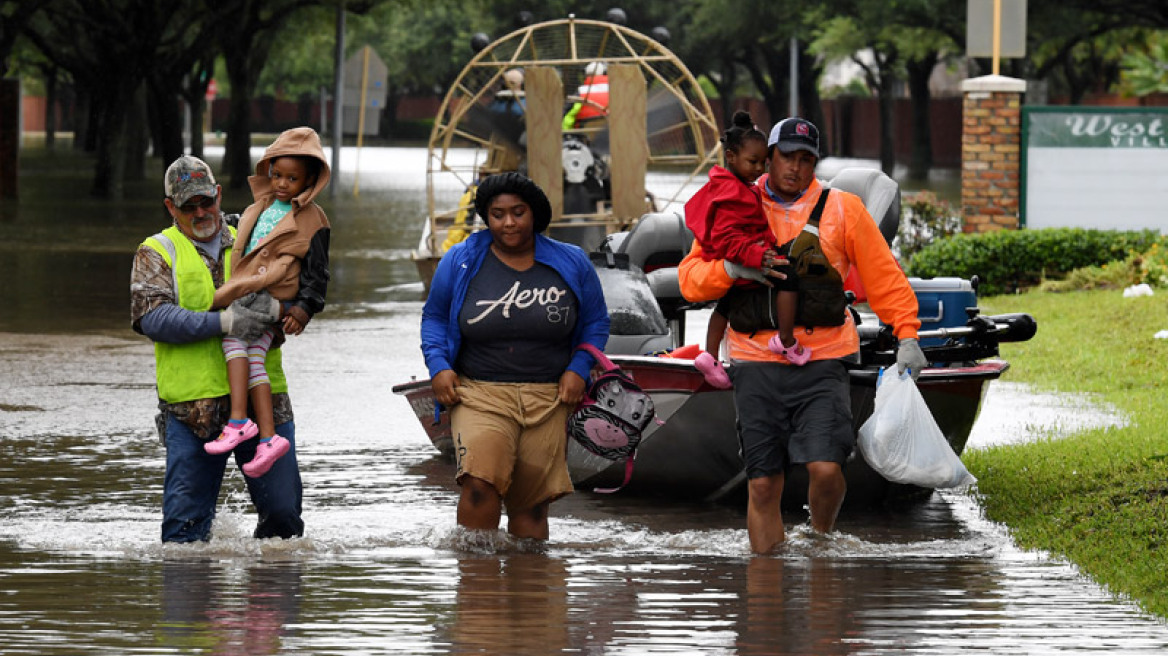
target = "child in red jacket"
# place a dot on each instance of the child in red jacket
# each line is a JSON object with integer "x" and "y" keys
{"x": 726, "y": 218}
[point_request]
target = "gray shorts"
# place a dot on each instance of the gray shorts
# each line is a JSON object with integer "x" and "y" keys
{"x": 792, "y": 415}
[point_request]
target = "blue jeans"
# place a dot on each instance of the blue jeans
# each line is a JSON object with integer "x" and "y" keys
{"x": 193, "y": 478}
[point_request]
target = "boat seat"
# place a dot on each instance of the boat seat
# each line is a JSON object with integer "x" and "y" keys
{"x": 657, "y": 240}
{"x": 880, "y": 193}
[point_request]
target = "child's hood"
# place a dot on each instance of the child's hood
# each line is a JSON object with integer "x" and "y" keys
{"x": 298, "y": 141}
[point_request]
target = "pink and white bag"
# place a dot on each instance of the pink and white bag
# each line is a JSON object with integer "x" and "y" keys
{"x": 613, "y": 414}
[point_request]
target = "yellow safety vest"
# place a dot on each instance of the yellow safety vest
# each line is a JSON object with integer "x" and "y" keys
{"x": 197, "y": 370}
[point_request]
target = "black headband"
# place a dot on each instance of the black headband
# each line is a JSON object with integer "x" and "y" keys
{"x": 520, "y": 185}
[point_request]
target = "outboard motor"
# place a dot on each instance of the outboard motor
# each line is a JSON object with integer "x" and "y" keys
{"x": 585, "y": 187}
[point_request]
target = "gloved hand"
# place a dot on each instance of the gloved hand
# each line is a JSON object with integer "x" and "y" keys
{"x": 243, "y": 323}
{"x": 910, "y": 356}
{"x": 263, "y": 303}
{"x": 735, "y": 270}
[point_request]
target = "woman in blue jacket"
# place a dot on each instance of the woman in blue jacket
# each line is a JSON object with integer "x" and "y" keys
{"x": 506, "y": 309}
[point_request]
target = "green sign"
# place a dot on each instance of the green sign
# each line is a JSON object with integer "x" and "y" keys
{"x": 1097, "y": 129}
{"x": 1094, "y": 167}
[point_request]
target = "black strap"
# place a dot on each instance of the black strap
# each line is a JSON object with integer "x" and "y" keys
{"x": 818, "y": 211}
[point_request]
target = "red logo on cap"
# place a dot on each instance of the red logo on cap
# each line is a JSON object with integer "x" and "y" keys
{"x": 801, "y": 128}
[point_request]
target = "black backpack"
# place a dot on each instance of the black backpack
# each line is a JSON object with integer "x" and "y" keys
{"x": 821, "y": 289}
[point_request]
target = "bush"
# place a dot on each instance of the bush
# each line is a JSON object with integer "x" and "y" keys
{"x": 924, "y": 218}
{"x": 1150, "y": 266}
{"x": 1154, "y": 263}
{"x": 1112, "y": 275}
{"x": 1009, "y": 260}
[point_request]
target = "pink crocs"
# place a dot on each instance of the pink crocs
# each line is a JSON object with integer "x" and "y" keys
{"x": 713, "y": 371}
{"x": 797, "y": 355}
{"x": 267, "y": 453}
{"x": 231, "y": 437}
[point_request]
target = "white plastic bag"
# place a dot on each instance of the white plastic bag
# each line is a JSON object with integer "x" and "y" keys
{"x": 902, "y": 441}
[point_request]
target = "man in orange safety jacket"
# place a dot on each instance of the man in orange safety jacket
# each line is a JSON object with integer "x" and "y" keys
{"x": 789, "y": 415}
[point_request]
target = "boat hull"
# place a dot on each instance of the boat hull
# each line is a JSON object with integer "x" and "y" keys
{"x": 693, "y": 453}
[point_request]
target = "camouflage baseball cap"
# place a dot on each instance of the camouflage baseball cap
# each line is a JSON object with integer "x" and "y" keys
{"x": 188, "y": 177}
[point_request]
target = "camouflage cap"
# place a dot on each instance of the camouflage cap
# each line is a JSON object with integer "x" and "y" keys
{"x": 188, "y": 177}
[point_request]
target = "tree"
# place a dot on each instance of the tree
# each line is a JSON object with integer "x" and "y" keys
{"x": 424, "y": 47}
{"x": 753, "y": 35}
{"x": 873, "y": 45}
{"x": 1145, "y": 71}
{"x": 108, "y": 46}
{"x": 936, "y": 33}
{"x": 247, "y": 30}
{"x": 245, "y": 33}
{"x": 14, "y": 15}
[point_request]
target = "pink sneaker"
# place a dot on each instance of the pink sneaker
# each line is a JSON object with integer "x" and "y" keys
{"x": 267, "y": 453}
{"x": 231, "y": 437}
{"x": 713, "y": 371}
{"x": 797, "y": 355}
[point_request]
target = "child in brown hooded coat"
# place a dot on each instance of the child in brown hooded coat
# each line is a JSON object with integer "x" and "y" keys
{"x": 281, "y": 248}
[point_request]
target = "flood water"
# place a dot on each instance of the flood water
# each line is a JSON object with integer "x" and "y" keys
{"x": 382, "y": 568}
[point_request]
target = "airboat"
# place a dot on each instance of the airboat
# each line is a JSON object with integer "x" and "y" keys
{"x": 633, "y": 107}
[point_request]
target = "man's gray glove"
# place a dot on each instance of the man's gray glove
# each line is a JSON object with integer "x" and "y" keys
{"x": 243, "y": 323}
{"x": 263, "y": 303}
{"x": 910, "y": 356}
{"x": 735, "y": 270}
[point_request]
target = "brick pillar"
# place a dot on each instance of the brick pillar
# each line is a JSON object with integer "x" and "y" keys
{"x": 991, "y": 143}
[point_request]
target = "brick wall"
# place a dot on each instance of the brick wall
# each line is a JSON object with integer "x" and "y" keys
{"x": 991, "y": 140}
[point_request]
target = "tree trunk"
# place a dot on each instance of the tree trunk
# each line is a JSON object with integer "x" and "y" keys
{"x": 919, "y": 71}
{"x": 9, "y": 138}
{"x": 883, "y": 79}
{"x": 82, "y": 117}
{"x": 810, "y": 99}
{"x": 195, "y": 95}
{"x": 93, "y": 120}
{"x": 167, "y": 124}
{"x": 388, "y": 127}
{"x": 729, "y": 81}
{"x": 766, "y": 83}
{"x": 50, "y": 108}
{"x": 887, "y": 138}
{"x": 1077, "y": 85}
{"x": 778, "y": 61}
{"x": 237, "y": 148}
{"x": 199, "y": 112}
{"x": 109, "y": 169}
{"x": 244, "y": 64}
{"x": 137, "y": 136}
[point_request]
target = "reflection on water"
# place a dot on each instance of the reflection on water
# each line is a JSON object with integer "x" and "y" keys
{"x": 382, "y": 568}
{"x": 515, "y": 604}
{"x": 229, "y": 608}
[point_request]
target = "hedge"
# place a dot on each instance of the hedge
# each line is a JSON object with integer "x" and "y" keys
{"x": 1006, "y": 261}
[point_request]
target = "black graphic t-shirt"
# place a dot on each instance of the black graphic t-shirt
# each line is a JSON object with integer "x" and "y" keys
{"x": 516, "y": 325}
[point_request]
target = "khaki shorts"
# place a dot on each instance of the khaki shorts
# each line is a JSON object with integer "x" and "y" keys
{"x": 513, "y": 436}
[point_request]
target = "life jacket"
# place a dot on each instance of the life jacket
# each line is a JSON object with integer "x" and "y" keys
{"x": 594, "y": 92}
{"x": 821, "y": 289}
{"x": 197, "y": 370}
{"x": 461, "y": 226}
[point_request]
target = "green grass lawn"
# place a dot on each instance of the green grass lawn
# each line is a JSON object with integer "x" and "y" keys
{"x": 1099, "y": 498}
